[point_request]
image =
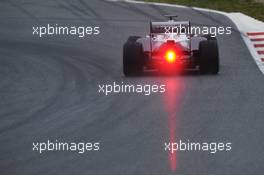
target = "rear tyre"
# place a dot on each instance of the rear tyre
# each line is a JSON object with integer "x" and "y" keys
{"x": 209, "y": 37}
{"x": 133, "y": 39}
{"x": 132, "y": 58}
{"x": 208, "y": 57}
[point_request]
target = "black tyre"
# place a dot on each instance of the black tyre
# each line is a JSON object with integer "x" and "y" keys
{"x": 208, "y": 57}
{"x": 209, "y": 37}
{"x": 132, "y": 58}
{"x": 133, "y": 39}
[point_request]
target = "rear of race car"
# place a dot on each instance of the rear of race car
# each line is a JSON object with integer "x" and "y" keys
{"x": 170, "y": 46}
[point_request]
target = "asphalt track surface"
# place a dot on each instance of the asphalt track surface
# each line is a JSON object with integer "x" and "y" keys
{"x": 48, "y": 90}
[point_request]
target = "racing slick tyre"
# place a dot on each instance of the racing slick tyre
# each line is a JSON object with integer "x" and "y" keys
{"x": 132, "y": 58}
{"x": 208, "y": 57}
{"x": 133, "y": 38}
{"x": 209, "y": 37}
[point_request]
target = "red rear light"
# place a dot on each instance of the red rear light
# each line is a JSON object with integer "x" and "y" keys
{"x": 170, "y": 56}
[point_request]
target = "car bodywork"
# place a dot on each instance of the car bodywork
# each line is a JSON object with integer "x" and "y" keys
{"x": 171, "y": 44}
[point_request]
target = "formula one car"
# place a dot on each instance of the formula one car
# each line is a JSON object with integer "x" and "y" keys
{"x": 170, "y": 46}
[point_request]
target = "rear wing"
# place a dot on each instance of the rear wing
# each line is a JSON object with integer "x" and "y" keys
{"x": 171, "y": 17}
{"x": 169, "y": 26}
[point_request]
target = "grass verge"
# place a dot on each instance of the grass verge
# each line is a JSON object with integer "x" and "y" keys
{"x": 248, "y": 7}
